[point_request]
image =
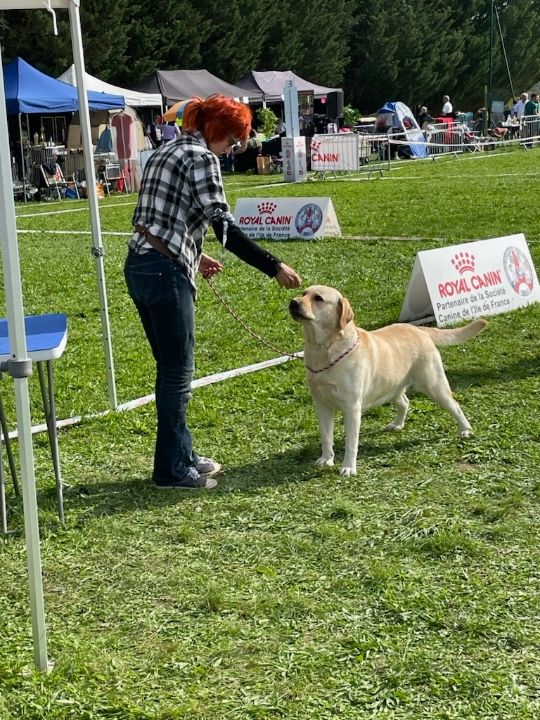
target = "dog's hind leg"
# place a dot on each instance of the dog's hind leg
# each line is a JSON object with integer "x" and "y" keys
{"x": 402, "y": 405}
{"x": 438, "y": 389}
{"x": 325, "y": 416}
{"x": 352, "y": 417}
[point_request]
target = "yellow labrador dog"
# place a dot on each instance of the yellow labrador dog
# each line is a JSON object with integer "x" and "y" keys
{"x": 350, "y": 369}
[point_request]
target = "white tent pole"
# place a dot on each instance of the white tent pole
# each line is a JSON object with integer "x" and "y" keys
{"x": 21, "y": 367}
{"x": 98, "y": 250}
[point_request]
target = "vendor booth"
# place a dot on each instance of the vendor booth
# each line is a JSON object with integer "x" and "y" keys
{"x": 118, "y": 133}
{"x": 43, "y": 100}
{"x": 177, "y": 85}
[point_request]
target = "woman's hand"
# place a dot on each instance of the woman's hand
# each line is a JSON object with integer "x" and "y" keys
{"x": 208, "y": 267}
{"x": 287, "y": 277}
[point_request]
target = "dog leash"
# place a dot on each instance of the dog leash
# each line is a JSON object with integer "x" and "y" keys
{"x": 161, "y": 247}
{"x": 293, "y": 356}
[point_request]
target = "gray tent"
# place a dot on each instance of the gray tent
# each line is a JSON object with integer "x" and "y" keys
{"x": 270, "y": 84}
{"x": 182, "y": 84}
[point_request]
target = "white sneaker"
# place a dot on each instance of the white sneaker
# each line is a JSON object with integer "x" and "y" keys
{"x": 207, "y": 467}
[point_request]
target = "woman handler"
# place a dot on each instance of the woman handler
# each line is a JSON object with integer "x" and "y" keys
{"x": 181, "y": 195}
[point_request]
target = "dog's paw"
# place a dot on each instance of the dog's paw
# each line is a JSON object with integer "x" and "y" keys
{"x": 324, "y": 461}
{"x": 393, "y": 427}
{"x": 466, "y": 433}
{"x": 347, "y": 471}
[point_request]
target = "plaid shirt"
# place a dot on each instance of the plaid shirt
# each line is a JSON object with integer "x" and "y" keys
{"x": 181, "y": 194}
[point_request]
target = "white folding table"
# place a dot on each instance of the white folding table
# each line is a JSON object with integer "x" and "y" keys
{"x": 46, "y": 337}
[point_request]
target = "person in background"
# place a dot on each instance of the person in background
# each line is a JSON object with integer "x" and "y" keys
{"x": 447, "y": 108}
{"x": 423, "y": 117}
{"x": 519, "y": 107}
{"x": 153, "y": 130}
{"x": 531, "y": 106}
{"x": 331, "y": 127}
{"x": 246, "y": 154}
{"x": 181, "y": 196}
{"x": 170, "y": 131}
{"x": 530, "y": 119}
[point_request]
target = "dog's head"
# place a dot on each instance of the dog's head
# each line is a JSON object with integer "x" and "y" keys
{"x": 323, "y": 307}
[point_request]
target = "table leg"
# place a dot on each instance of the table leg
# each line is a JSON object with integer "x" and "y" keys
{"x": 3, "y": 508}
{"x": 47, "y": 394}
{"x": 9, "y": 452}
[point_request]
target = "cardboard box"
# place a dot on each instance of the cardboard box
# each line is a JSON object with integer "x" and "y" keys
{"x": 264, "y": 165}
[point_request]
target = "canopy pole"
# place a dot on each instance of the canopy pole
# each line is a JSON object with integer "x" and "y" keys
{"x": 98, "y": 250}
{"x": 22, "y": 154}
{"x": 20, "y": 367}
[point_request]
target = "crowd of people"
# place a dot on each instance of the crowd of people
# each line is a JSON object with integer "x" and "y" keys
{"x": 521, "y": 107}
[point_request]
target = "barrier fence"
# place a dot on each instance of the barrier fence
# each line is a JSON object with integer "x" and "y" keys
{"x": 351, "y": 152}
{"x": 529, "y": 131}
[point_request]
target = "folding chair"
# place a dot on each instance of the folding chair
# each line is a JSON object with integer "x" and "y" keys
{"x": 54, "y": 180}
{"x": 114, "y": 174}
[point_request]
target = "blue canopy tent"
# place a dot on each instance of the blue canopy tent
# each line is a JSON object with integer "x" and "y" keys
{"x": 28, "y": 90}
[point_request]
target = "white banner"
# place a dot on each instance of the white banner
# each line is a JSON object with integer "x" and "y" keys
{"x": 293, "y": 153}
{"x": 335, "y": 152}
{"x": 475, "y": 279}
{"x": 285, "y": 218}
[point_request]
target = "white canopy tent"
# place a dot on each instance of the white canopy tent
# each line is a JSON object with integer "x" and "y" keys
{"x": 19, "y": 365}
{"x": 133, "y": 98}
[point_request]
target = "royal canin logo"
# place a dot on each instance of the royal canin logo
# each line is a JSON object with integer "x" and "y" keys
{"x": 315, "y": 145}
{"x": 265, "y": 216}
{"x": 266, "y": 208}
{"x": 464, "y": 262}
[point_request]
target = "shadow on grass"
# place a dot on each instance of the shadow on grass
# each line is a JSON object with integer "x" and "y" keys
{"x": 520, "y": 370}
{"x": 108, "y": 498}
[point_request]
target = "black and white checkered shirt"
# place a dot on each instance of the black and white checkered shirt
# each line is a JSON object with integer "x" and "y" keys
{"x": 181, "y": 194}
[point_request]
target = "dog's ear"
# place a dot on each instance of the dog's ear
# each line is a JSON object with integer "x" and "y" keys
{"x": 345, "y": 313}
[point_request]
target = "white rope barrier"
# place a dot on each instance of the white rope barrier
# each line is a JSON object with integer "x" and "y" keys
{"x": 139, "y": 402}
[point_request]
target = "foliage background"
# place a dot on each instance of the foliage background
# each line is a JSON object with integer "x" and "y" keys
{"x": 413, "y": 50}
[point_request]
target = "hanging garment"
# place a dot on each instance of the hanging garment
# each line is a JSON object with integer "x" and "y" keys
{"x": 123, "y": 124}
{"x": 105, "y": 142}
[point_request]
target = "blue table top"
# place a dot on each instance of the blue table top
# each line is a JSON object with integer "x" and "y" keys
{"x": 46, "y": 336}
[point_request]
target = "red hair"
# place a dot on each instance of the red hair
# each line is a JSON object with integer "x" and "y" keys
{"x": 218, "y": 118}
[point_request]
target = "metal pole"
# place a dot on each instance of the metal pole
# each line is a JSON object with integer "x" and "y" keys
{"x": 98, "y": 250}
{"x": 490, "y": 83}
{"x": 22, "y": 154}
{"x": 20, "y": 367}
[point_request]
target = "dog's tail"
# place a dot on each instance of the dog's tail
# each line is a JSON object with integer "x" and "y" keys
{"x": 456, "y": 336}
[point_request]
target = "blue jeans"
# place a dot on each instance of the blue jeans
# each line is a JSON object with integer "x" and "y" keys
{"x": 164, "y": 300}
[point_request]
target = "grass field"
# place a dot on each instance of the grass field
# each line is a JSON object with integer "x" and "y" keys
{"x": 408, "y": 592}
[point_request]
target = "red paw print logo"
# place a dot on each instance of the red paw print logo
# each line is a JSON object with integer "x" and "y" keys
{"x": 463, "y": 262}
{"x": 266, "y": 207}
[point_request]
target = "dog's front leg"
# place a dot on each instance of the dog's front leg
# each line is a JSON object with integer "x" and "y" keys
{"x": 325, "y": 416}
{"x": 352, "y": 417}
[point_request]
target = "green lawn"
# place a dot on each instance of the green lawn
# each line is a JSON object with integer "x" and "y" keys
{"x": 408, "y": 592}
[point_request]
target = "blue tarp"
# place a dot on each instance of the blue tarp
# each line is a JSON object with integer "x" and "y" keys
{"x": 397, "y": 117}
{"x": 28, "y": 90}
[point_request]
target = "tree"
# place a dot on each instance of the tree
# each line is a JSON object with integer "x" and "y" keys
{"x": 235, "y": 38}
{"x": 310, "y": 37}
{"x": 29, "y": 34}
{"x": 166, "y": 35}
